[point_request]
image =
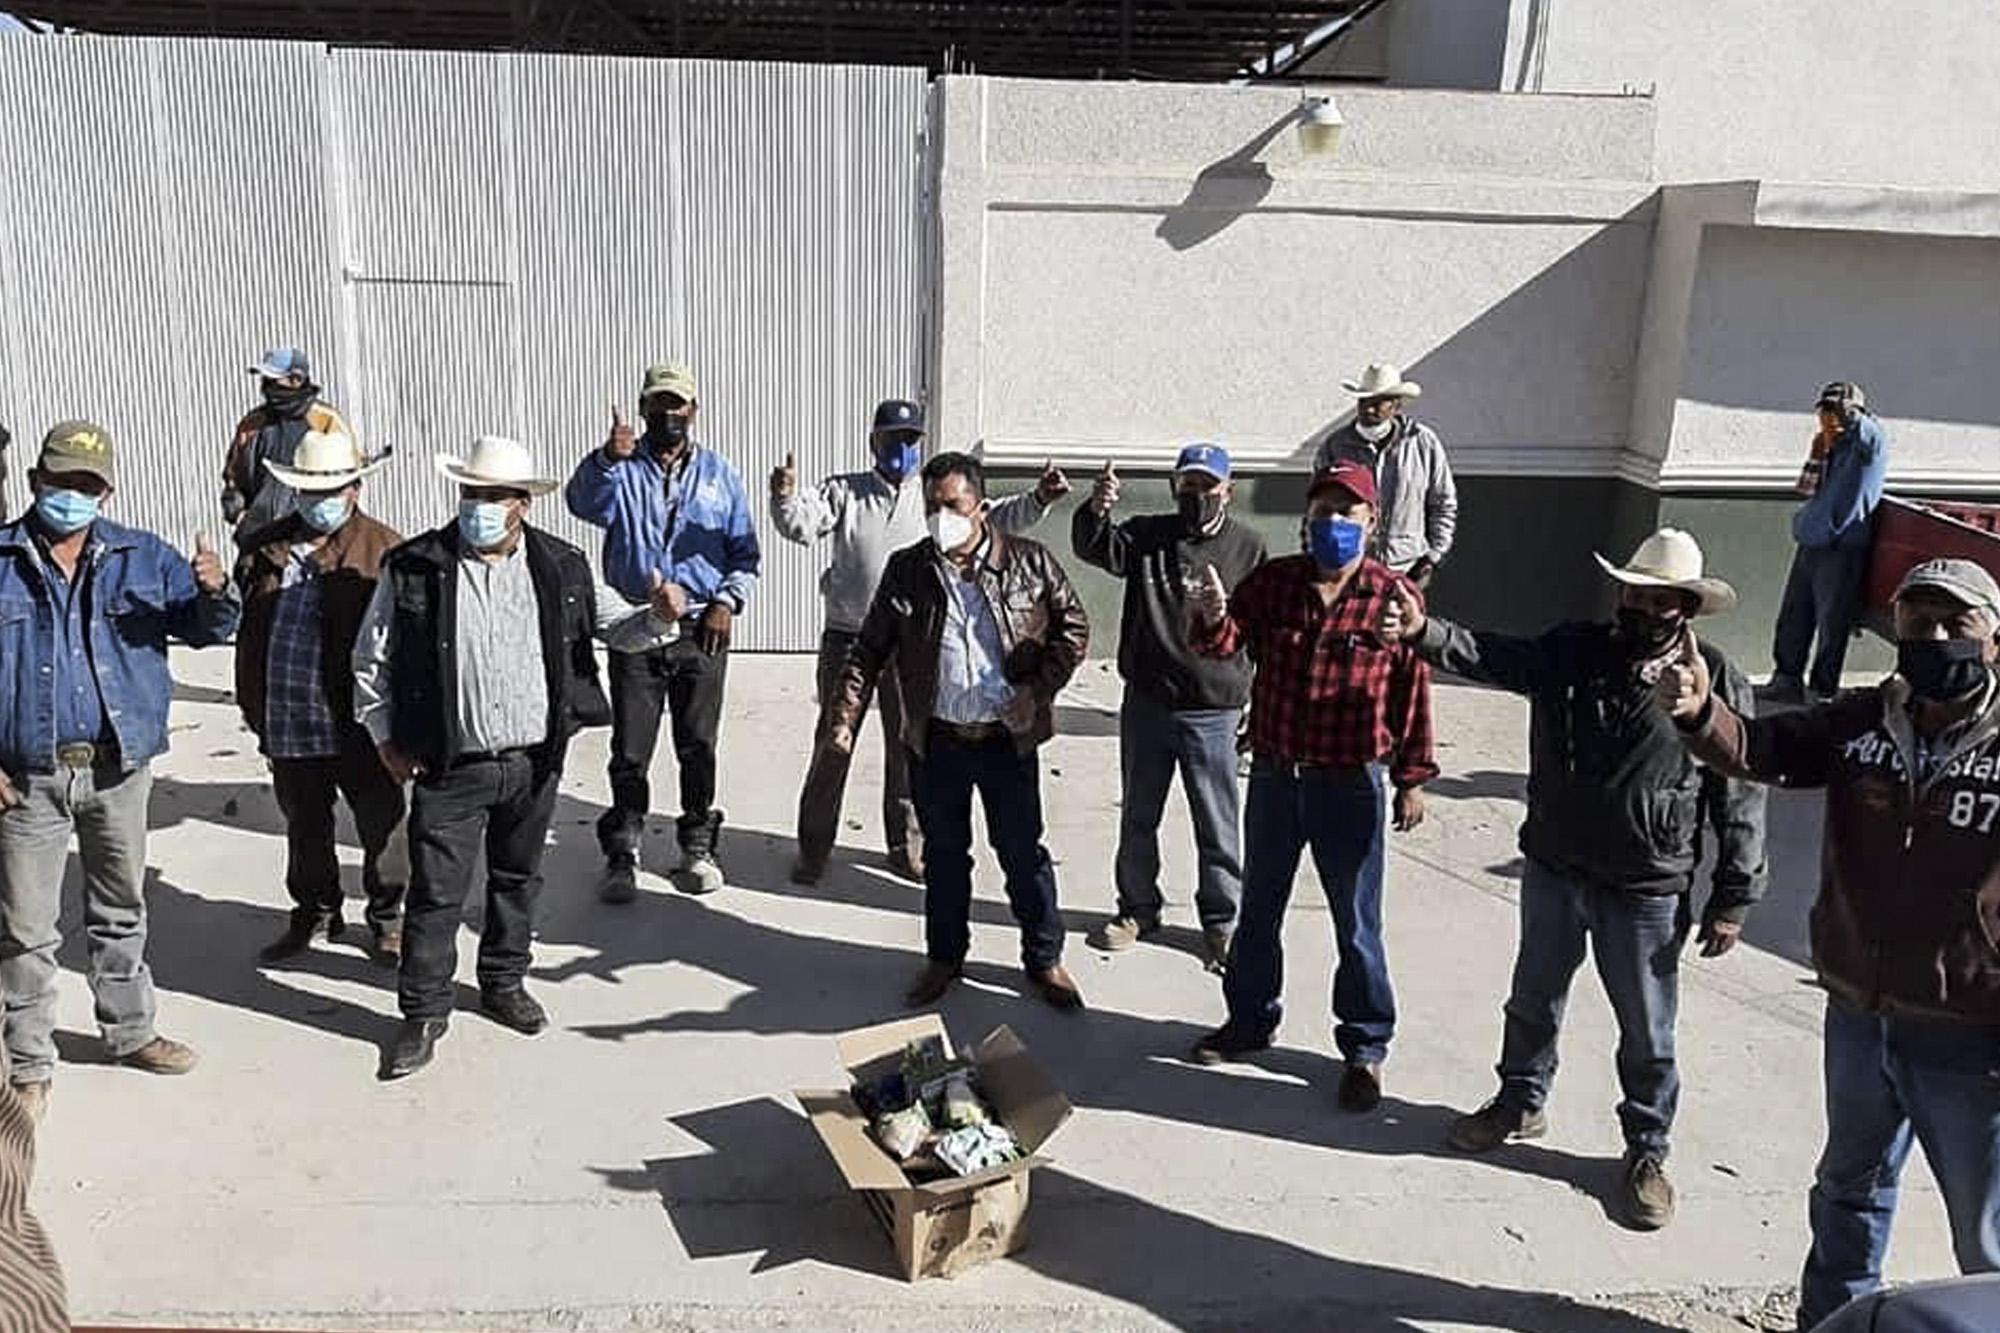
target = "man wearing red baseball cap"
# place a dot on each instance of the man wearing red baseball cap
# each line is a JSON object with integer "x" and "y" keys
{"x": 1338, "y": 717}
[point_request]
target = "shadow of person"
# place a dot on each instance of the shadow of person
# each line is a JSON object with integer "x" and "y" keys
{"x": 763, "y": 1185}
{"x": 1483, "y": 783}
{"x": 1080, "y": 720}
{"x": 1225, "y": 190}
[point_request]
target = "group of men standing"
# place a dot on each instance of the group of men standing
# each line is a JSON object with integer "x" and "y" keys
{"x": 434, "y": 684}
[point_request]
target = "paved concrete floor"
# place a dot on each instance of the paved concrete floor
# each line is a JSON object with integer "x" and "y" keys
{"x": 642, "y": 1165}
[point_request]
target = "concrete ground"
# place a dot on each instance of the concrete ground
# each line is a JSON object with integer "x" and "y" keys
{"x": 642, "y": 1164}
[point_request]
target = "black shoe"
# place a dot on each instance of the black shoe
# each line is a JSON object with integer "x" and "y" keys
{"x": 1225, "y": 1044}
{"x": 514, "y": 1008}
{"x": 931, "y": 984}
{"x": 416, "y": 1042}
{"x": 300, "y": 934}
{"x": 1361, "y": 1087}
{"x": 621, "y": 880}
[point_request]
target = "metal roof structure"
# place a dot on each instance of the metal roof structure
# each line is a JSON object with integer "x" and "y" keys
{"x": 1189, "y": 40}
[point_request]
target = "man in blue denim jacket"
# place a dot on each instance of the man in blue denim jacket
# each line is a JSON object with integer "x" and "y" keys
{"x": 677, "y": 530}
{"x": 86, "y": 609}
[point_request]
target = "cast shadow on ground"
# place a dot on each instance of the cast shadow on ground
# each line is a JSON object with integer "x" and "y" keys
{"x": 1087, "y": 721}
{"x": 764, "y": 1185}
{"x": 1482, "y": 784}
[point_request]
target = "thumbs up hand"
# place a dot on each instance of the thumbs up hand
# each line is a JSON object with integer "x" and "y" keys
{"x": 1684, "y": 687}
{"x": 1053, "y": 485}
{"x": 1104, "y": 490}
{"x": 785, "y": 479}
{"x": 1207, "y": 598}
{"x": 621, "y": 443}
{"x": 1403, "y": 616}
{"x": 209, "y": 574}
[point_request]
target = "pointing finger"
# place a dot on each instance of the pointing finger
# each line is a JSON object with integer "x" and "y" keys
{"x": 201, "y": 546}
{"x": 790, "y": 464}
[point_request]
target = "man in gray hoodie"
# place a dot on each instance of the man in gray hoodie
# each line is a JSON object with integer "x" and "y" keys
{"x": 870, "y": 516}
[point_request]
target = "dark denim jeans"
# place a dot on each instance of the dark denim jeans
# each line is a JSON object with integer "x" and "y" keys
{"x": 686, "y": 684}
{"x": 943, "y": 780}
{"x": 1343, "y": 815}
{"x": 1153, "y": 742}
{"x": 1888, "y": 1080}
{"x": 1822, "y": 598}
{"x": 1636, "y": 940}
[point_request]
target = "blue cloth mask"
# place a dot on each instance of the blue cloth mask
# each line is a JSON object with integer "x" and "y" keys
{"x": 327, "y": 513}
{"x": 483, "y": 523}
{"x": 65, "y": 511}
{"x": 897, "y": 461}
{"x": 1335, "y": 543}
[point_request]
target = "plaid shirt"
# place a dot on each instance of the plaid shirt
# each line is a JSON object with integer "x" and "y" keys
{"x": 1328, "y": 690}
{"x": 298, "y": 723}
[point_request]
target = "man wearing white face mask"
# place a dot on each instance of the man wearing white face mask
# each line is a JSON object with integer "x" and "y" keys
{"x": 306, "y": 581}
{"x": 1419, "y": 512}
{"x": 472, "y": 671}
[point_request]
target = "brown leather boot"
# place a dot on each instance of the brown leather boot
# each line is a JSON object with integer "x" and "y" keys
{"x": 1059, "y": 988}
{"x": 161, "y": 1055}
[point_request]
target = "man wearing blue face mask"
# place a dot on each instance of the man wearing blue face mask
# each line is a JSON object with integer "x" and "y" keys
{"x": 306, "y": 581}
{"x": 870, "y": 516}
{"x": 86, "y": 611}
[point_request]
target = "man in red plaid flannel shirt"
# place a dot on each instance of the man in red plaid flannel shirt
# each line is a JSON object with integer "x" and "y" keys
{"x": 1338, "y": 715}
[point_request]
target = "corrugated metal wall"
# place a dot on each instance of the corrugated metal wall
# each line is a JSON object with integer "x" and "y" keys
{"x": 464, "y": 243}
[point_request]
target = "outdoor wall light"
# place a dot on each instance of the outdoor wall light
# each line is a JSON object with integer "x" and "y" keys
{"x": 1320, "y": 124}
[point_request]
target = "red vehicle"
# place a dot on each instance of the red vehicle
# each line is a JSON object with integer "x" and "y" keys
{"x": 1908, "y": 532}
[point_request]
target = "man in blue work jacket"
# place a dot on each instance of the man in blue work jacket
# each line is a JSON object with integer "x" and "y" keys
{"x": 86, "y": 610}
{"x": 676, "y": 528}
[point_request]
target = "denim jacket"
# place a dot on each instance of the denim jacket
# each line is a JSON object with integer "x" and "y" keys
{"x": 140, "y": 593}
{"x": 694, "y": 529}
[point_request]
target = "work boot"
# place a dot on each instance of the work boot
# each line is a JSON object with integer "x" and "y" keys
{"x": 907, "y": 863}
{"x": 931, "y": 984}
{"x": 299, "y": 934}
{"x": 161, "y": 1055}
{"x": 1361, "y": 1087}
{"x": 416, "y": 1042}
{"x": 1494, "y": 1124}
{"x": 1123, "y": 931}
{"x": 1218, "y": 942}
{"x": 34, "y": 1099}
{"x": 1649, "y": 1195}
{"x": 1782, "y": 689}
{"x": 389, "y": 941}
{"x": 621, "y": 880}
{"x": 512, "y": 1007}
{"x": 809, "y": 869}
{"x": 1226, "y": 1044}
{"x": 699, "y": 872}
{"x": 1058, "y": 988}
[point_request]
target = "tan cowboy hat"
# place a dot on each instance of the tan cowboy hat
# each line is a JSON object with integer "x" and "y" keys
{"x": 497, "y": 461}
{"x": 325, "y": 461}
{"x": 1384, "y": 379}
{"x": 1671, "y": 558}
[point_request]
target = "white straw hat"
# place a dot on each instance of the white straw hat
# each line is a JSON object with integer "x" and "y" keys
{"x": 497, "y": 461}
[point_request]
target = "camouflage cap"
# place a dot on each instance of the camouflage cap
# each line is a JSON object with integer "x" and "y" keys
{"x": 78, "y": 446}
{"x": 674, "y": 377}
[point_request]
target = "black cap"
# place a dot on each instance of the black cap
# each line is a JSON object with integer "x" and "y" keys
{"x": 899, "y": 414}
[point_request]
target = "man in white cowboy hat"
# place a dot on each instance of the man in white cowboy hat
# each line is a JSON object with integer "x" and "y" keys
{"x": 252, "y": 497}
{"x": 473, "y": 670}
{"x": 306, "y": 580}
{"x": 1611, "y": 840}
{"x": 1419, "y": 513}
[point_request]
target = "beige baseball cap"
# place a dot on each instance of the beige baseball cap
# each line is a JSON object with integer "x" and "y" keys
{"x": 674, "y": 377}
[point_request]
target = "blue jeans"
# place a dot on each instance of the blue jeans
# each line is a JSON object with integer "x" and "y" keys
{"x": 943, "y": 780}
{"x": 1154, "y": 741}
{"x": 1343, "y": 815}
{"x": 1636, "y": 940}
{"x": 1822, "y": 597}
{"x": 1888, "y": 1079}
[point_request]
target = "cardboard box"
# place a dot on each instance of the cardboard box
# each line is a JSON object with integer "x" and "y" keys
{"x": 941, "y": 1228}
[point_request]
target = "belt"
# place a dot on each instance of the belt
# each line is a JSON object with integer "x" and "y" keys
{"x": 971, "y": 733}
{"x": 1292, "y": 768}
{"x": 487, "y": 756}
{"x": 84, "y": 755}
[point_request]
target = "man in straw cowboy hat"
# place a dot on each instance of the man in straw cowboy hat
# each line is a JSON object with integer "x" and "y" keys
{"x": 472, "y": 671}
{"x": 85, "y": 669}
{"x": 1904, "y": 930}
{"x": 1419, "y": 510}
{"x": 307, "y": 579}
{"x": 1612, "y": 838}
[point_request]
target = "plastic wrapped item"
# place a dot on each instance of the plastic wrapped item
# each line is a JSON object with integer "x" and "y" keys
{"x": 924, "y": 1059}
{"x": 962, "y": 1105}
{"x": 977, "y": 1148}
{"x": 903, "y": 1133}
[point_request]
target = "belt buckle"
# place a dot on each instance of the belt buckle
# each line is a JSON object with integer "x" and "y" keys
{"x": 80, "y": 755}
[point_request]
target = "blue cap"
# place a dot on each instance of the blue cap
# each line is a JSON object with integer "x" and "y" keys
{"x": 1210, "y": 458}
{"x": 282, "y": 361}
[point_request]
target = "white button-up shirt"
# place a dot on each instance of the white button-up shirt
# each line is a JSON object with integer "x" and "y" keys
{"x": 971, "y": 682}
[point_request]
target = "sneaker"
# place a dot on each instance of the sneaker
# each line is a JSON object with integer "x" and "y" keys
{"x": 699, "y": 872}
{"x": 1649, "y": 1195}
{"x": 161, "y": 1055}
{"x": 1494, "y": 1124}
{"x": 1121, "y": 932}
{"x": 621, "y": 880}
{"x": 1226, "y": 1044}
{"x": 1217, "y": 942}
{"x": 34, "y": 1099}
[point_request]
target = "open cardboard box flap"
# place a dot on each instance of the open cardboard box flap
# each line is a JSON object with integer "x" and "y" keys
{"x": 869, "y": 1053}
{"x": 844, "y": 1130}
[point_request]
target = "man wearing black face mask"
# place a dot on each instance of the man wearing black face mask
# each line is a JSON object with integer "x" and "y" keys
{"x": 252, "y": 500}
{"x": 1905, "y": 929}
{"x": 1181, "y": 709}
{"x": 1612, "y": 838}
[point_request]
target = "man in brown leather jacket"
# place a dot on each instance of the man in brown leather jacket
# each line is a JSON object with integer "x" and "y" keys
{"x": 984, "y": 630}
{"x": 1906, "y": 931}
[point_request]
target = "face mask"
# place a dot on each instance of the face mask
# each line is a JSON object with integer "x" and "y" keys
{"x": 288, "y": 400}
{"x": 1376, "y": 433}
{"x": 1199, "y": 509}
{"x": 897, "y": 461}
{"x": 1335, "y": 543}
{"x": 326, "y": 514}
{"x": 483, "y": 523}
{"x": 949, "y": 529}
{"x": 669, "y": 430}
{"x": 65, "y": 511}
{"x": 1941, "y": 670}
{"x": 1646, "y": 634}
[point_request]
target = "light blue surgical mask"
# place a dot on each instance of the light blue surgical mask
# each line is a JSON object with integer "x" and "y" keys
{"x": 1334, "y": 543}
{"x": 327, "y": 513}
{"x": 483, "y": 523}
{"x": 65, "y": 511}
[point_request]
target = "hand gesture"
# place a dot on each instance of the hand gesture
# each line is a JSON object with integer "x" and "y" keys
{"x": 1685, "y": 685}
{"x": 1053, "y": 485}
{"x": 669, "y": 600}
{"x": 712, "y": 635}
{"x": 1403, "y": 616}
{"x": 1410, "y": 808}
{"x": 1207, "y": 598}
{"x": 1104, "y": 490}
{"x": 209, "y": 574}
{"x": 785, "y": 479}
{"x": 399, "y": 765}
{"x": 10, "y": 796}
{"x": 621, "y": 443}
{"x": 1719, "y": 937}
